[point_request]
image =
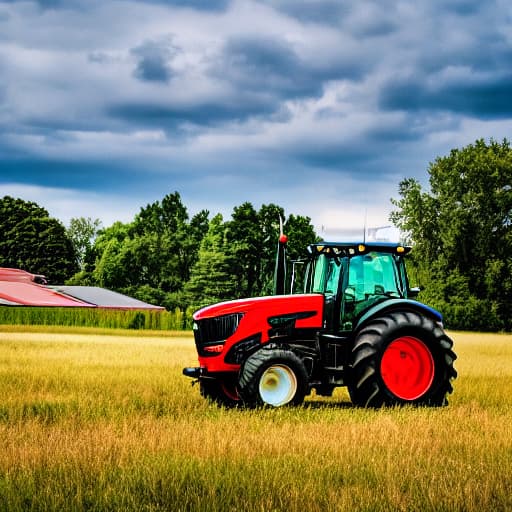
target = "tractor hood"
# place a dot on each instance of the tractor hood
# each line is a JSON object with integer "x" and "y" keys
{"x": 305, "y": 309}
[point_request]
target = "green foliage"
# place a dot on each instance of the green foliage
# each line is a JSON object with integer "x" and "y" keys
{"x": 237, "y": 258}
{"x": 154, "y": 252}
{"x": 31, "y": 240}
{"x": 96, "y": 317}
{"x": 82, "y": 232}
{"x": 243, "y": 234}
{"x": 212, "y": 278}
{"x": 462, "y": 231}
{"x": 163, "y": 258}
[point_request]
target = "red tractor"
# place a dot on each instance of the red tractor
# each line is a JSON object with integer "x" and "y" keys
{"x": 355, "y": 325}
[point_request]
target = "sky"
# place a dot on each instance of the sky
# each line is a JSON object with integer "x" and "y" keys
{"x": 319, "y": 106}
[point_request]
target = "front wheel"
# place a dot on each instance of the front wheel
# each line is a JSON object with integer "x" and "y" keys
{"x": 402, "y": 357}
{"x": 222, "y": 392}
{"x": 273, "y": 376}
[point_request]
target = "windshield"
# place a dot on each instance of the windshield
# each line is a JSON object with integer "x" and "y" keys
{"x": 373, "y": 274}
{"x": 372, "y": 278}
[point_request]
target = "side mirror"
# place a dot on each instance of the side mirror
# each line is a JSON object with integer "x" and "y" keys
{"x": 412, "y": 293}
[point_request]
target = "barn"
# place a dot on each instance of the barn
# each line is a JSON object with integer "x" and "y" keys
{"x": 21, "y": 288}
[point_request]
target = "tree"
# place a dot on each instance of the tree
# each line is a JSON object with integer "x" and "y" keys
{"x": 300, "y": 234}
{"x": 33, "y": 241}
{"x": 164, "y": 256}
{"x": 82, "y": 233}
{"x": 244, "y": 236}
{"x": 237, "y": 258}
{"x": 151, "y": 256}
{"x": 462, "y": 231}
{"x": 212, "y": 278}
{"x": 175, "y": 240}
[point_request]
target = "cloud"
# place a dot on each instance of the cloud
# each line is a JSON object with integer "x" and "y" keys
{"x": 312, "y": 11}
{"x": 206, "y": 5}
{"x": 235, "y": 100}
{"x": 65, "y": 203}
{"x": 154, "y": 60}
{"x": 46, "y": 4}
{"x": 262, "y": 63}
{"x": 483, "y": 97}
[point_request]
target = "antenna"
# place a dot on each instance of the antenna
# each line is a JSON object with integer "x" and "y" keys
{"x": 364, "y": 229}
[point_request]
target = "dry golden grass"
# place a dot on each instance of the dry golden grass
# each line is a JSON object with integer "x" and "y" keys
{"x": 96, "y": 422}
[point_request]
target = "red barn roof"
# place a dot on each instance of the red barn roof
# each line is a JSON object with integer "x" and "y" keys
{"x": 31, "y": 294}
{"x": 21, "y": 288}
{"x": 15, "y": 274}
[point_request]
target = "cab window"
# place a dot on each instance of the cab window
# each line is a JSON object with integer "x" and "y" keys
{"x": 326, "y": 275}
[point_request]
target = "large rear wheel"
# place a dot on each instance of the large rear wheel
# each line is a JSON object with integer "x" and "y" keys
{"x": 273, "y": 376}
{"x": 401, "y": 357}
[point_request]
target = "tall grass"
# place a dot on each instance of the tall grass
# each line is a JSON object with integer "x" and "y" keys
{"x": 96, "y": 317}
{"x": 90, "y": 422}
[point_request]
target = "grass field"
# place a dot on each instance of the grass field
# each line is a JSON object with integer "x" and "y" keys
{"x": 91, "y": 420}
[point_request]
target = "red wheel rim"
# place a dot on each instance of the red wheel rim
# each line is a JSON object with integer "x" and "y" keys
{"x": 230, "y": 391}
{"x": 407, "y": 368}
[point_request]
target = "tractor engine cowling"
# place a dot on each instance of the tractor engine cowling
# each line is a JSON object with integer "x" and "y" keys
{"x": 227, "y": 332}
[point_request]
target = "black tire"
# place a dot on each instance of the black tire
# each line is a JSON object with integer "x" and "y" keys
{"x": 273, "y": 376}
{"x": 421, "y": 367}
{"x": 220, "y": 392}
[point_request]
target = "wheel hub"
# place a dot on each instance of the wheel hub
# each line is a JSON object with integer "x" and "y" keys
{"x": 278, "y": 385}
{"x": 407, "y": 368}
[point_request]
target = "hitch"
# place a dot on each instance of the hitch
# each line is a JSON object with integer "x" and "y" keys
{"x": 193, "y": 373}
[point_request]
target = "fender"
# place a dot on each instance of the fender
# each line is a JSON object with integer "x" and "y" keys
{"x": 394, "y": 304}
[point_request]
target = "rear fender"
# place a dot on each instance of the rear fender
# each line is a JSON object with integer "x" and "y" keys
{"x": 398, "y": 304}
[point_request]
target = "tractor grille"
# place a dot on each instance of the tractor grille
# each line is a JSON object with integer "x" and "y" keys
{"x": 212, "y": 332}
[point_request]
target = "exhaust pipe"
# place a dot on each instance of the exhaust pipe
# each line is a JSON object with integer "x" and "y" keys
{"x": 280, "y": 269}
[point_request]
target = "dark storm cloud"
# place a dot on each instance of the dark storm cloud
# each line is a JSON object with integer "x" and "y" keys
{"x": 363, "y": 153}
{"x": 257, "y": 74}
{"x": 462, "y": 7}
{"x": 87, "y": 175}
{"x": 472, "y": 45}
{"x": 267, "y": 65}
{"x": 210, "y": 113}
{"x": 260, "y": 63}
{"x": 113, "y": 95}
{"x": 202, "y": 5}
{"x": 313, "y": 11}
{"x": 378, "y": 20}
{"x": 207, "y": 5}
{"x": 486, "y": 98}
{"x": 462, "y": 68}
{"x": 154, "y": 60}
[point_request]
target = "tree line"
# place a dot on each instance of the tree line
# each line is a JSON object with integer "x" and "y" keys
{"x": 461, "y": 230}
{"x": 462, "y": 234}
{"x": 163, "y": 256}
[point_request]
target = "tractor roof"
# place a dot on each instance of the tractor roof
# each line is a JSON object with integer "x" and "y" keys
{"x": 354, "y": 248}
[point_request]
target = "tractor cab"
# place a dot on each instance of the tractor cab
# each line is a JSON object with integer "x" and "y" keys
{"x": 353, "y": 277}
